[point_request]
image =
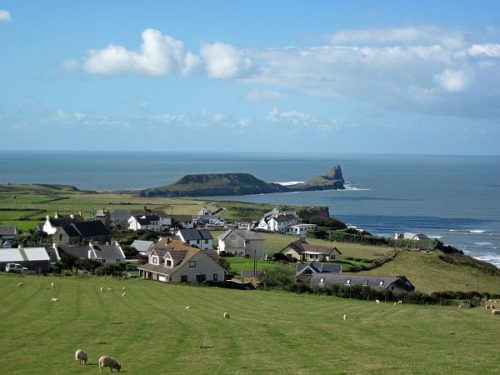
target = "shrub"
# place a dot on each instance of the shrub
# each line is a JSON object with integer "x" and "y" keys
{"x": 278, "y": 278}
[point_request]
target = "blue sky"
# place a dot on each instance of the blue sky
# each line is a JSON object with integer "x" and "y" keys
{"x": 317, "y": 76}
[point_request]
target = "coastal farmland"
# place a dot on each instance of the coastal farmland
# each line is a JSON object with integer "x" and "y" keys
{"x": 150, "y": 332}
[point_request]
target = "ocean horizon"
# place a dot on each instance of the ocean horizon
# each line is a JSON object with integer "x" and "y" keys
{"x": 449, "y": 197}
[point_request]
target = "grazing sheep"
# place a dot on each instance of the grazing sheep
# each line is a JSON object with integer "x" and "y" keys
{"x": 102, "y": 289}
{"x": 461, "y": 306}
{"x": 124, "y": 294}
{"x": 109, "y": 289}
{"x": 51, "y": 285}
{"x": 54, "y": 299}
{"x": 344, "y": 316}
{"x": 105, "y": 361}
{"x": 81, "y": 357}
{"x": 123, "y": 288}
{"x": 20, "y": 284}
{"x": 226, "y": 315}
{"x": 400, "y": 302}
{"x": 495, "y": 312}
{"x": 377, "y": 301}
{"x": 395, "y": 303}
{"x": 188, "y": 307}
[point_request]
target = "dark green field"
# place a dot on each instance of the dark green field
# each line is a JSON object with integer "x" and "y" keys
{"x": 150, "y": 332}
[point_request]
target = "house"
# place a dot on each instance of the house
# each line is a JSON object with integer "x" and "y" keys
{"x": 183, "y": 221}
{"x": 34, "y": 258}
{"x": 52, "y": 223}
{"x": 206, "y": 216}
{"x": 8, "y": 232}
{"x": 275, "y": 221}
{"x": 120, "y": 216}
{"x": 152, "y": 222}
{"x": 143, "y": 247}
{"x": 182, "y": 264}
{"x": 398, "y": 284}
{"x": 411, "y": 236}
{"x": 303, "y": 251}
{"x": 301, "y": 229}
{"x": 243, "y": 243}
{"x": 200, "y": 238}
{"x": 81, "y": 232}
{"x": 104, "y": 216}
{"x": 305, "y": 270}
{"x": 109, "y": 254}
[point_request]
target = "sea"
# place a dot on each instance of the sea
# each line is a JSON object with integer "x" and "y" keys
{"x": 455, "y": 199}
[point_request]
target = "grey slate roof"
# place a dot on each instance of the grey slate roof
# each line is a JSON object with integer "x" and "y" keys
{"x": 246, "y": 234}
{"x": 120, "y": 215}
{"x": 61, "y": 221}
{"x": 301, "y": 246}
{"x": 317, "y": 267}
{"x": 195, "y": 234}
{"x": 106, "y": 252}
{"x": 142, "y": 246}
{"x": 322, "y": 280}
{"x": 147, "y": 220}
{"x": 8, "y": 230}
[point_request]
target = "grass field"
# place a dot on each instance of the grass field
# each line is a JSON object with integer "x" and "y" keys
{"x": 150, "y": 332}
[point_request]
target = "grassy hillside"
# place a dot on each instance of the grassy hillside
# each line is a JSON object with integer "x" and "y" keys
{"x": 150, "y": 332}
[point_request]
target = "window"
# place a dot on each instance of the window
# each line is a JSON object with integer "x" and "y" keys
{"x": 216, "y": 277}
{"x": 201, "y": 278}
{"x": 169, "y": 263}
{"x": 154, "y": 259}
{"x": 192, "y": 264}
{"x": 184, "y": 279}
{"x": 206, "y": 241}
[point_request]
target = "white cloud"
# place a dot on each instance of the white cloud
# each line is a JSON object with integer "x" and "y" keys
{"x": 453, "y": 80}
{"x": 263, "y": 95}
{"x": 300, "y": 119}
{"x": 490, "y": 50}
{"x": 5, "y": 16}
{"x": 159, "y": 55}
{"x": 70, "y": 64}
{"x": 224, "y": 61}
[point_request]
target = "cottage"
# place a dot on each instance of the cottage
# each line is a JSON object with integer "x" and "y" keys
{"x": 182, "y": 264}
{"x": 200, "y": 238}
{"x": 399, "y": 284}
{"x": 33, "y": 258}
{"x": 243, "y": 243}
{"x": 109, "y": 254}
{"x": 52, "y": 223}
{"x": 303, "y": 251}
{"x": 82, "y": 232}
{"x": 152, "y": 222}
{"x": 411, "y": 236}
{"x": 301, "y": 229}
{"x": 275, "y": 221}
{"x": 8, "y": 232}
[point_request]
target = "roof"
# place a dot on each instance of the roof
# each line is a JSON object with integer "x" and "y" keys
{"x": 182, "y": 218}
{"x": 246, "y": 234}
{"x": 285, "y": 218}
{"x": 120, "y": 215}
{"x": 321, "y": 280}
{"x": 142, "y": 246}
{"x": 91, "y": 228}
{"x": 27, "y": 254}
{"x": 106, "y": 252}
{"x": 317, "y": 267}
{"x": 195, "y": 234}
{"x": 61, "y": 221}
{"x": 8, "y": 230}
{"x": 147, "y": 219}
{"x": 302, "y": 246}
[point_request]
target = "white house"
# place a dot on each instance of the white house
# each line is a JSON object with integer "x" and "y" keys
{"x": 303, "y": 251}
{"x": 151, "y": 222}
{"x": 281, "y": 223}
{"x": 243, "y": 243}
{"x": 301, "y": 229}
{"x": 411, "y": 236}
{"x": 200, "y": 238}
{"x": 183, "y": 264}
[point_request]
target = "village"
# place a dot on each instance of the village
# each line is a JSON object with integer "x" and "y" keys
{"x": 182, "y": 249}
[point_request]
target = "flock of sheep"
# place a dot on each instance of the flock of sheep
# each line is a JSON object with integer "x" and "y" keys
{"x": 104, "y": 361}
{"x": 491, "y": 305}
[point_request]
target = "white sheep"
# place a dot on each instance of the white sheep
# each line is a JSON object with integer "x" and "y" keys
{"x": 226, "y": 315}
{"x": 124, "y": 294}
{"x": 20, "y": 284}
{"x": 54, "y": 299}
{"x": 400, "y": 302}
{"x": 495, "y": 312}
{"x": 123, "y": 288}
{"x": 188, "y": 307}
{"x": 109, "y": 289}
{"x": 51, "y": 285}
{"x": 344, "y": 316}
{"x": 81, "y": 357}
{"x": 377, "y": 301}
{"x": 102, "y": 289}
{"x": 105, "y": 361}
{"x": 395, "y": 303}
{"x": 461, "y": 306}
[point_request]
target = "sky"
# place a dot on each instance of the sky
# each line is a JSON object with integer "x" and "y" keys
{"x": 411, "y": 77}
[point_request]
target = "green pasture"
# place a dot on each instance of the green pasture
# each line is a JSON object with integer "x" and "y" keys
{"x": 150, "y": 332}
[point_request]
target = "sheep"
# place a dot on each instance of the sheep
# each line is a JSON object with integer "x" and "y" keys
{"x": 51, "y": 285}
{"x": 124, "y": 288}
{"x": 226, "y": 315}
{"x": 344, "y": 316}
{"x": 109, "y": 289}
{"x": 400, "y": 302}
{"x": 102, "y": 289}
{"x": 395, "y": 304}
{"x": 124, "y": 294}
{"x": 54, "y": 299}
{"x": 188, "y": 307}
{"x": 20, "y": 284}
{"x": 377, "y": 301}
{"x": 105, "y": 361}
{"x": 461, "y": 306}
{"x": 81, "y": 357}
{"x": 495, "y": 312}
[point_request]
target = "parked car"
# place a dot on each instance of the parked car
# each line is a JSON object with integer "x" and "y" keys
{"x": 15, "y": 267}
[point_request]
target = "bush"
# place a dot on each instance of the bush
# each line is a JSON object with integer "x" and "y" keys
{"x": 108, "y": 270}
{"x": 130, "y": 267}
{"x": 278, "y": 278}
